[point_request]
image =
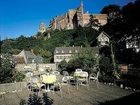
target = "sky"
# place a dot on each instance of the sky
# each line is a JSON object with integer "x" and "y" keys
{"x": 23, "y": 17}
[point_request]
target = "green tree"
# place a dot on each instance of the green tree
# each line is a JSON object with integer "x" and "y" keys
{"x": 6, "y": 68}
{"x": 113, "y": 11}
{"x": 62, "y": 66}
{"x": 93, "y": 22}
{"x": 105, "y": 66}
{"x": 6, "y": 46}
{"x": 85, "y": 60}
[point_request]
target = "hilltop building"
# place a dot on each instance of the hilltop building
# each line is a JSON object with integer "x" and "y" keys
{"x": 74, "y": 18}
{"x": 42, "y": 27}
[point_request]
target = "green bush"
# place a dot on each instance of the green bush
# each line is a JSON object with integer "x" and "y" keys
{"x": 17, "y": 76}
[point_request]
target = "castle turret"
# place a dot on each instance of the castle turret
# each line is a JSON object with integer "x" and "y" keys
{"x": 42, "y": 27}
{"x": 82, "y": 7}
{"x": 80, "y": 13}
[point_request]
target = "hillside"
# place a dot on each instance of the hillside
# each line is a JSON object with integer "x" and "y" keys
{"x": 45, "y": 47}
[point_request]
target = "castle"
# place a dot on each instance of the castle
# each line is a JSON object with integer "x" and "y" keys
{"x": 74, "y": 18}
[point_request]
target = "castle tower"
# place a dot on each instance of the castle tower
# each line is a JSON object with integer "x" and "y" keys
{"x": 82, "y": 7}
{"x": 42, "y": 27}
{"x": 80, "y": 12}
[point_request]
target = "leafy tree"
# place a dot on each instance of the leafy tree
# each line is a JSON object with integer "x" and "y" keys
{"x": 105, "y": 66}
{"x": 85, "y": 60}
{"x": 6, "y": 46}
{"x": 6, "y": 68}
{"x": 62, "y": 66}
{"x": 94, "y": 22}
{"x": 113, "y": 11}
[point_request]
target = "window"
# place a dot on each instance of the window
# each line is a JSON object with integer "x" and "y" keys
{"x": 56, "y": 51}
{"x": 61, "y": 57}
{"x": 69, "y": 51}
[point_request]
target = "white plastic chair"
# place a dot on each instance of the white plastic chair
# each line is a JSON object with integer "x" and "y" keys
{"x": 66, "y": 79}
{"x": 95, "y": 78}
{"x": 78, "y": 70}
{"x": 56, "y": 73}
{"x": 83, "y": 77}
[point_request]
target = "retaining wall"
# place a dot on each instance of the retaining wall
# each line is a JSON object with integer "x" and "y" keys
{"x": 12, "y": 87}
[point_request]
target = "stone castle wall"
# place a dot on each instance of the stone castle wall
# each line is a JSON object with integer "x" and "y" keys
{"x": 75, "y": 17}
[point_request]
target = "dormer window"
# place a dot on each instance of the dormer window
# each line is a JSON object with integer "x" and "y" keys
{"x": 56, "y": 51}
{"x": 69, "y": 51}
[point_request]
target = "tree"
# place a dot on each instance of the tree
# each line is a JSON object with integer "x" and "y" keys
{"x": 6, "y": 68}
{"x": 62, "y": 66}
{"x": 113, "y": 11}
{"x": 85, "y": 60}
{"x": 6, "y": 46}
{"x": 105, "y": 66}
{"x": 93, "y": 22}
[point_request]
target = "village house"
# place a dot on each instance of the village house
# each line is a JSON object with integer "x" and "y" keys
{"x": 103, "y": 39}
{"x": 67, "y": 53}
{"x": 25, "y": 57}
{"x": 133, "y": 42}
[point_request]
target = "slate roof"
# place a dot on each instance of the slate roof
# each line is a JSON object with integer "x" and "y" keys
{"x": 29, "y": 56}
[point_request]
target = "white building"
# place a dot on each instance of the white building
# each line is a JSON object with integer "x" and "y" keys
{"x": 66, "y": 53}
{"x": 103, "y": 39}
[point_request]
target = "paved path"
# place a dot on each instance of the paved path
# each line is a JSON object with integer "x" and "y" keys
{"x": 82, "y": 96}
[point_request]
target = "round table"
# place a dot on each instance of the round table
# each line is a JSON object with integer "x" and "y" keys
{"x": 48, "y": 79}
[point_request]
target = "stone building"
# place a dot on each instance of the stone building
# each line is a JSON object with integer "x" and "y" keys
{"x": 74, "y": 18}
{"x": 42, "y": 27}
{"x": 67, "y": 53}
{"x": 26, "y": 57}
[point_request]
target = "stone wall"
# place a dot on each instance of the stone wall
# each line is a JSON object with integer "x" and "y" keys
{"x": 12, "y": 87}
{"x": 20, "y": 67}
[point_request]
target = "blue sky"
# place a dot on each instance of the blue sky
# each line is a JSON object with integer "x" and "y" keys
{"x": 22, "y": 17}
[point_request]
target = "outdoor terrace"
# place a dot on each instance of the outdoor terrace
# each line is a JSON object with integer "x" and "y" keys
{"x": 105, "y": 94}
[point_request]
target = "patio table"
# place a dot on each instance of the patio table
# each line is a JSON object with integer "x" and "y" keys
{"x": 48, "y": 79}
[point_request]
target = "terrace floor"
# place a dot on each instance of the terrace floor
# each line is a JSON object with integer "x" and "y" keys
{"x": 105, "y": 94}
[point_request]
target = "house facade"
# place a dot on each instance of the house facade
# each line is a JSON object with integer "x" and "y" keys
{"x": 67, "y": 53}
{"x": 133, "y": 42}
{"x": 103, "y": 39}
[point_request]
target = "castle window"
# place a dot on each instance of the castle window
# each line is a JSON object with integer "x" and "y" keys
{"x": 76, "y": 51}
{"x": 62, "y": 51}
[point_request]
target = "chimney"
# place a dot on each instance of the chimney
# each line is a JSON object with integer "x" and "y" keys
{"x": 32, "y": 51}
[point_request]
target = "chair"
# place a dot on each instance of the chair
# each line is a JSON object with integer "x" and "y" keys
{"x": 82, "y": 78}
{"x": 34, "y": 84}
{"x": 66, "y": 79}
{"x": 56, "y": 73}
{"x": 95, "y": 78}
{"x": 78, "y": 70}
